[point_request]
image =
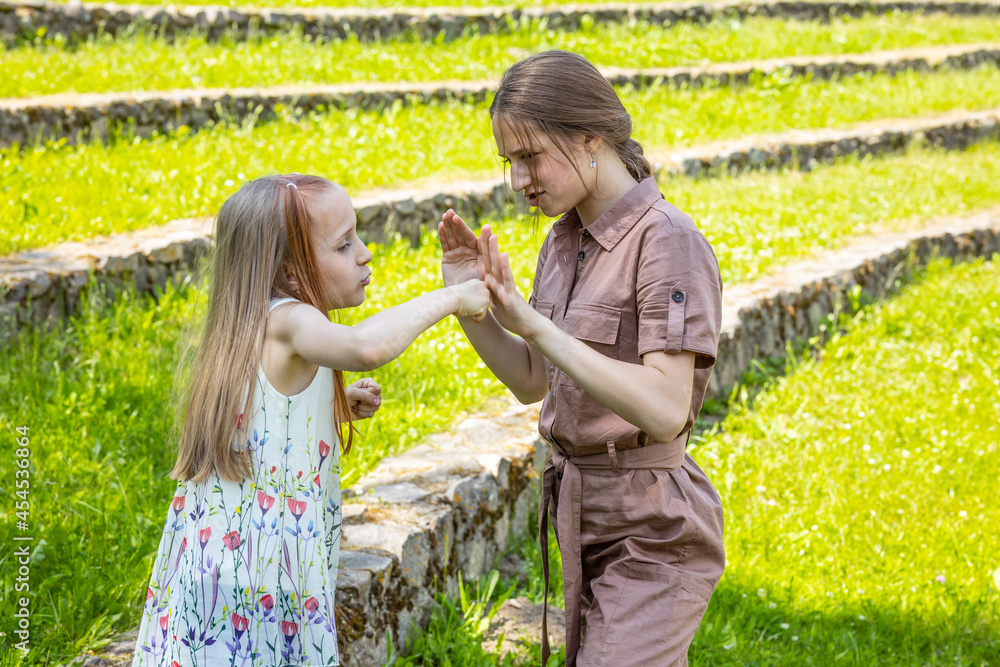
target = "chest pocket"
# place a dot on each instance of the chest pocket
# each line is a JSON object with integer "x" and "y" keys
{"x": 595, "y": 325}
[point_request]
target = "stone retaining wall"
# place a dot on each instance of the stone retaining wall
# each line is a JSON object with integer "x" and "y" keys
{"x": 788, "y": 305}
{"x": 805, "y": 149}
{"x": 46, "y": 285}
{"x": 81, "y": 117}
{"x": 444, "y": 508}
{"x": 20, "y": 19}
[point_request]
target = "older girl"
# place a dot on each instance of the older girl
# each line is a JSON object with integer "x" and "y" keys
{"x": 619, "y": 338}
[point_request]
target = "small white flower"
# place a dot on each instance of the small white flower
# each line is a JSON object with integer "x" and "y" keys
{"x": 784, "y": 626}
{"x": 772, "y": 606}
{"x": 861, "y": 617}
{"x": 963, "y": 514}
{"x": 761, "y": 489}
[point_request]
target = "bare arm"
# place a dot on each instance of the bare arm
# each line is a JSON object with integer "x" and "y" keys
{"x": 379, "y": 339}
{"x": 655, "y": 396}
{"x": 515, "y": 363}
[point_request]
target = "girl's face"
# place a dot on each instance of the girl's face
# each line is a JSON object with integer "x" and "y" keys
{"x": 558, "y": 186}
{"x": 342, "y": 259}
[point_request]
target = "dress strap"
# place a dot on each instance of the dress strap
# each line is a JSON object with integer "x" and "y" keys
{"x": 277, "y": 302}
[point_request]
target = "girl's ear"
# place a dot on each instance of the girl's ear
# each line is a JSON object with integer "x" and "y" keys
{"x": 292, "y": 281}
{"x": 591, "y": 142}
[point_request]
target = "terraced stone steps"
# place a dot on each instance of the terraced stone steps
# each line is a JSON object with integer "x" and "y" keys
{"x": 19, "y": 18}
{"x": 46, "y": 284}
{"x": 77, "y": 117}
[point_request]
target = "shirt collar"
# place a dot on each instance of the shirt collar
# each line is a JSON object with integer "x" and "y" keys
{"x": 609, "y": 229}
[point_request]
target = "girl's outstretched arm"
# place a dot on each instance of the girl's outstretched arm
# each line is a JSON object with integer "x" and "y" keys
{"x": 655, "y": 396}
{"x": 379, "y": 339}
{"x": 515, "y": 363}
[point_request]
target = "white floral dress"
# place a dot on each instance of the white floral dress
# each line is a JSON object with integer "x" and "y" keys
{"x": 246, "y": 571}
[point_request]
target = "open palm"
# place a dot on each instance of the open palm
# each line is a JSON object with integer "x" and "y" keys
{"x": 461, "y": 260}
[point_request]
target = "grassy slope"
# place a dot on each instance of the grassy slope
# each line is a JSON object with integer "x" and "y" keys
{"x": 52, "y": 194}
{"x": 859, "y": 497}
{"x": 146, "y": 62}
{"x": 95, "y": 398}
{"x": 859, "y": 492}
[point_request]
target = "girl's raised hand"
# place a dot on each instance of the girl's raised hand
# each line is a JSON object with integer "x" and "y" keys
{"x": 509, "y": 307}
{"x": 461, "y": 260}
{"x": 364, "y": 397}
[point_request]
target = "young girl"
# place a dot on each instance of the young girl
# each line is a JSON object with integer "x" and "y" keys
{"x": 247, "y": 566}
{"x": 618, "y": 338}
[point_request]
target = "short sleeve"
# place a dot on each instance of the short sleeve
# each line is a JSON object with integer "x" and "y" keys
{"x": 679, "y": 294}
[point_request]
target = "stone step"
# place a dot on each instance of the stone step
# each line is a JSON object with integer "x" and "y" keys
{"x": 20, "y": 18}
{"x": 448, "y": 506}
{"x": 80, "y": 117}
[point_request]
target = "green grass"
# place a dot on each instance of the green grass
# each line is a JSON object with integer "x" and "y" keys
{"x": 55, "y": 193}
{"x": 367, "y": 3}
{"x": 859, "y": 493}
{"x": 93, "y": 392}
{"x": 855, "y": 482}
{"x": 146, "y": 62}
{"x": 94, "y": 396}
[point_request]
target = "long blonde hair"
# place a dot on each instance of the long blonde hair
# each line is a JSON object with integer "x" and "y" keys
{"x": 260, "y": 232}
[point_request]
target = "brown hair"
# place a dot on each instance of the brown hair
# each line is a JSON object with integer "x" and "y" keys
{"x": 260, "y": 232}
{"x": 562, "y": 95}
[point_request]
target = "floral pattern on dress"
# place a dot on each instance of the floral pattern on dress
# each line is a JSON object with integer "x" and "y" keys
{"x": 246, "y": 571}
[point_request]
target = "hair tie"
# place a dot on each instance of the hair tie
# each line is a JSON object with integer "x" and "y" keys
{"x": 291, "y": 185}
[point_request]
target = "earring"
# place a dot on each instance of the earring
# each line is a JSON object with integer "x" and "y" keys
{"x": 593, "y": 163}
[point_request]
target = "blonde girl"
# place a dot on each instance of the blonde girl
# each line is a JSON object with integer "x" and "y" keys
{"x": 618, "y": 339}
{"x": 246, "y": 570}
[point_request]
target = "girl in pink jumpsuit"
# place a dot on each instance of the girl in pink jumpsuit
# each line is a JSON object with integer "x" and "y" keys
{"x": 619, "y": 338}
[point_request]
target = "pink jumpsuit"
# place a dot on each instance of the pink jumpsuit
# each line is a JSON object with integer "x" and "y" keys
{"x": 639, "y": 525}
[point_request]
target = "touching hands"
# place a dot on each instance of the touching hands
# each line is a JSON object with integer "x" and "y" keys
{"x": 468, "y": 258}
{"x": 364, "y": 397}
{"x": 473, "y": 299}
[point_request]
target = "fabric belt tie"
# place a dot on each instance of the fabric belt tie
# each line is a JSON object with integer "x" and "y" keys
{"x": 660, "y": 456}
